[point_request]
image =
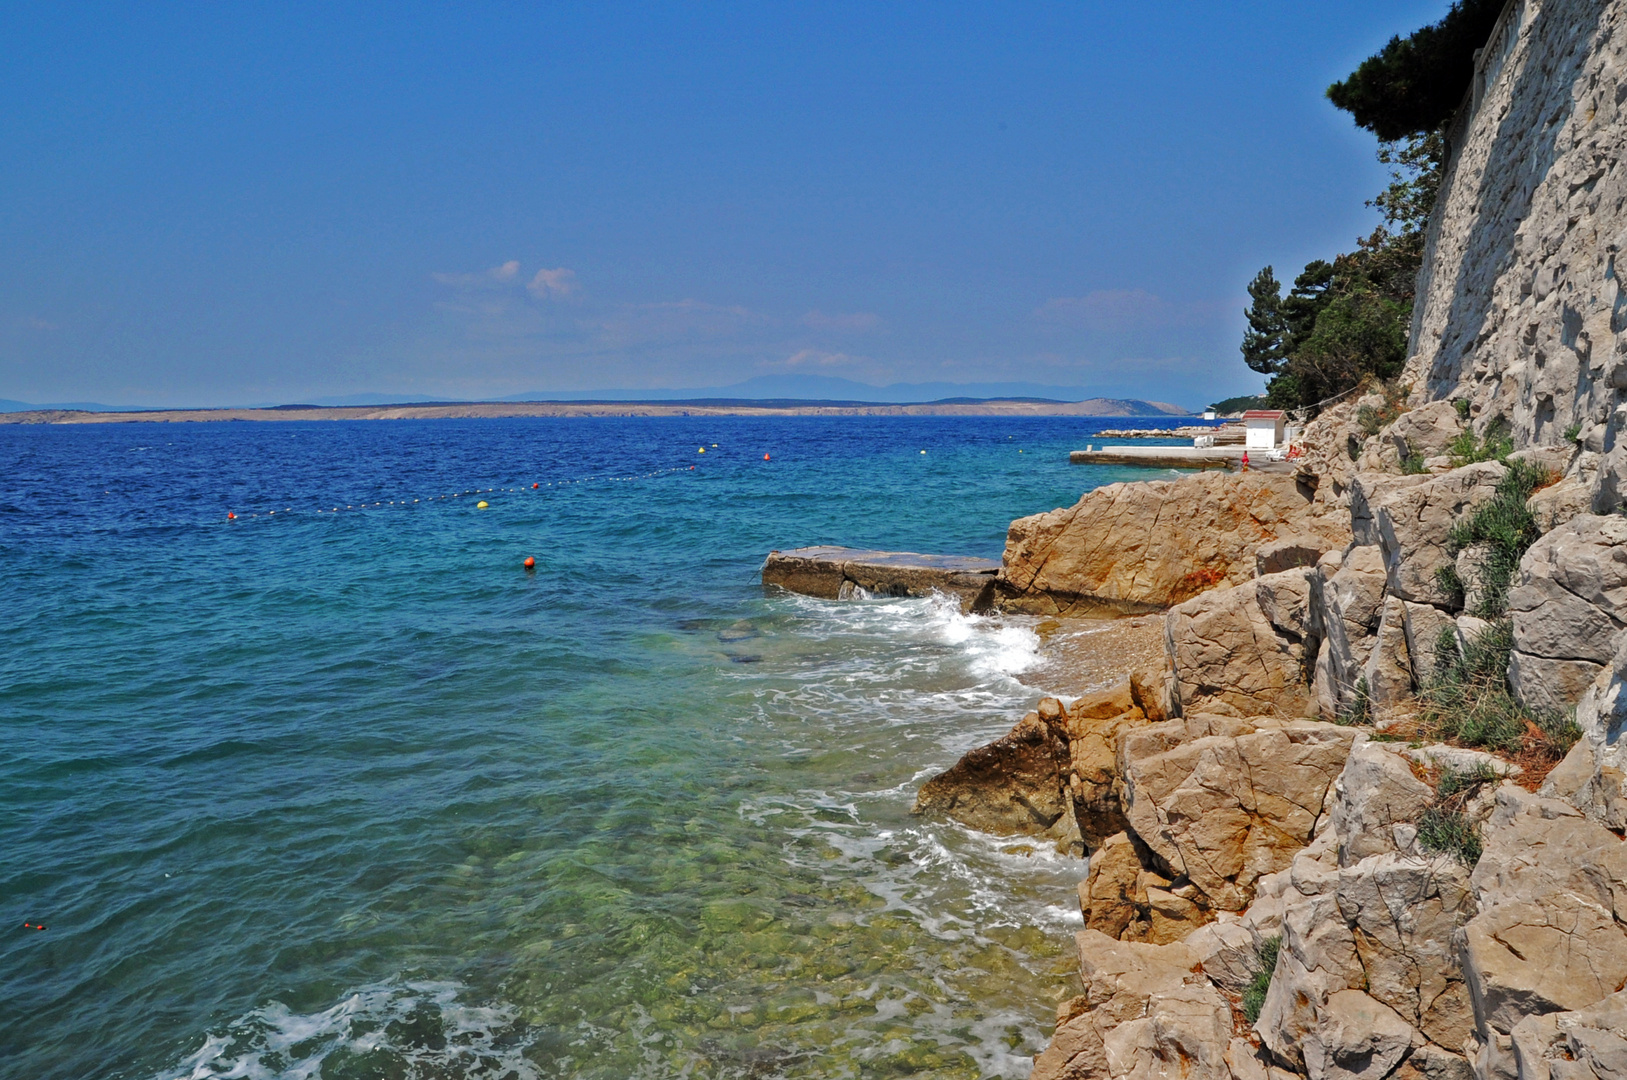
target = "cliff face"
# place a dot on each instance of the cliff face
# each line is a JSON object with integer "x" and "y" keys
{"x": 1521, "y": 309}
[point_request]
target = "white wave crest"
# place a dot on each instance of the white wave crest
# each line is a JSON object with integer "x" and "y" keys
{"x": 415, "y": 1030}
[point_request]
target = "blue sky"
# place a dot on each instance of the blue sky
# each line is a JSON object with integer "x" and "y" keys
{"x": 225, "y": 203}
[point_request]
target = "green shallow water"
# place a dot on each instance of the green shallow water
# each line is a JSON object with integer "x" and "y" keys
{"x": 351, "y": 795}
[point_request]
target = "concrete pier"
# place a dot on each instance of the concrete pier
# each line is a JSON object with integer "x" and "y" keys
{"x": 1168, "y": 457}
{"x": 836, "y": 573}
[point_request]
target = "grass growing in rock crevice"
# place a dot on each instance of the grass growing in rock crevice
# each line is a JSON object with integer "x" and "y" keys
{"x": 1445, "y": 828}
{"x": 1495, "y": 445}
{"x": 1360, "y": 709}
{"x": 1505, "y": 529}
{"x": 1265, "y": 962}
{"x": 1468, "y": 702}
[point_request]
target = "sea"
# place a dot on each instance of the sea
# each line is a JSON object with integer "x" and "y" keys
{"x": 303, "y": 774}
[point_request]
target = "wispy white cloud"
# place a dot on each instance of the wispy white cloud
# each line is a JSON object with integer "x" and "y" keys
{"x": 552, "y": 284}
{"x": 855, "y": 322}
{"x": 496, "y": 277}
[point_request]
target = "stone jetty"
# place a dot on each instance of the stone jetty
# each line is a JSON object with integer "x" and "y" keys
{"x": 840, "y": 573}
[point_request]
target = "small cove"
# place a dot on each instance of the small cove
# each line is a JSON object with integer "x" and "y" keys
{"x": 351, "y": 794}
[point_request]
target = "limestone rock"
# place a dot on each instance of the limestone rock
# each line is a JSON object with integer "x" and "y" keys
{"x": 1583, "y": 1044}
{"x": 1242, "y": 650}
{"x": 1011, "y": 787}
{"x": 1423, "y": 624}
{"x": 1602, "y": 716}
{"x": 1113, "y": 895}
{"x": 1375, "y": 791}
{"x": 1568, "y": 605}
{"x": 1413, "y": 523}
{"x": 1430, "y": 1062}
{"x": 1404, "y": 912}
{"x": 1346, "y": 608}
{"x": 1288, "y": 553}
{"x": 1222, "y": 811}
{"x": 1146, "y": 1015}
{"x": 1388, "y": 671}
{"x": 1355, "y": 1037}
{"x": 1151, "y": 545}
{"x": 1550, "y": 885}
{"x": 1092, "y": 727}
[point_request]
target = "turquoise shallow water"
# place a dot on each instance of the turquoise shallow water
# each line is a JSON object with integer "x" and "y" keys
{"x": 350, "y": 794}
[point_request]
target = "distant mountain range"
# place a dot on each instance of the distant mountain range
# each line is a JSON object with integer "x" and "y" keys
{"x": 778, "y": 388}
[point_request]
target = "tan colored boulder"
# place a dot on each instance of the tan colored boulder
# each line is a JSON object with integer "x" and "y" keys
{"x": 1146, "y": 546}
{"x": 1318, "y": 959}
{"x": 1346, "y": 607}
{"x": 1289, "y": 553}
{"x": 1368, "y": 490}
{"x": 1413, "y": 523}
{"x": 1388, "y": 671}
{"x": 1126, "y": 898}
{"x": 1242, "y": 650}
{"x": 1423, "y": 624}
{"x": 1011, "y": 787}
{"x": 1569, "y": 606}
{"x": 1584, "y": 1044}
{"x": 1387, "y": 927}
{"x": 1222, "y": 811}
{"x": 1145, "y": 1015}
{"x": 1375, "y": 792}
{"x": 1356, "y": 1037}
{"x": 1430, "y": 1062}
{"x": 1112, "y": 895}
{"x": 1404, "y": 912}
{"x": 1552, "y": 889}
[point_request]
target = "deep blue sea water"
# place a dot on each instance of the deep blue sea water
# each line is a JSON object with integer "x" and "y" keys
{"x": 337, "y": 789}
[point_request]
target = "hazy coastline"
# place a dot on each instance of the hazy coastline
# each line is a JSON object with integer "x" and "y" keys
{"x": 1094, "y": 407}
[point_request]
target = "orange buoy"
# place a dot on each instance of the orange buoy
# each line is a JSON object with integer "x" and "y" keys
{"x": 533, "y": 487}
{"x": 530, "y": 563}
{"x": 765, "y": 457}
{"x": 230, "y": 516}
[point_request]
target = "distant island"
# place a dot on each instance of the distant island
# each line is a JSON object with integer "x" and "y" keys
{"x": 1015, "y": 406}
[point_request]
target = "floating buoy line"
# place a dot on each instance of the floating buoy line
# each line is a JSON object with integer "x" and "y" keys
{"x": 537, "y": 486}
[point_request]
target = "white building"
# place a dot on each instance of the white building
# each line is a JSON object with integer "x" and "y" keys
{"x": 1263, "y": 428}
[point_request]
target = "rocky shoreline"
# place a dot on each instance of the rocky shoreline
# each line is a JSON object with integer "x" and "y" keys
{"x": 1266, "y": 793}
{"x": 1364, "y": 818}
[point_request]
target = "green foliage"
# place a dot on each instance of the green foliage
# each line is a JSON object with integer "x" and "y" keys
{"x": 1446, "y": 577}
{"x": 1239, "y": 404}
{"x": 1468, "y": 701}
{"x": 1444, "y": 828}
{"x": 1494, "y": 445}
{"x": 1346, "y": 321}
{"x": 1456, "y": 781}
{"x": 1265, "y": 962}
{"x": 1373, "y": 419}
{"x": 1360, "y": 709}
{"x": 1449, "y": 832}
{"x": 1507, "y": 527}
{"x": 1412, "y": 462}
{"x": 1415, "y": 84}
{"x": 1573, "y": 433}
{"x": 1462, "y": 406}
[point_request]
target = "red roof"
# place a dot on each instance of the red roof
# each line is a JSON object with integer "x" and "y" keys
{"x": 1263, "y": 414}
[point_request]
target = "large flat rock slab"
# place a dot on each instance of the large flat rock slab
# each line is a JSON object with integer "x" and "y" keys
{"x": 837, "y": 573}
